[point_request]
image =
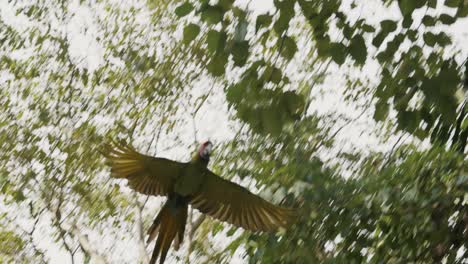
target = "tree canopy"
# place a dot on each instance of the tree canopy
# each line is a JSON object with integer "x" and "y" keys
{"x": 354, "y": 111}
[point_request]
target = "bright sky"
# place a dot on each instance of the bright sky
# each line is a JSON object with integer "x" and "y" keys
{"x": 213, "y": 121}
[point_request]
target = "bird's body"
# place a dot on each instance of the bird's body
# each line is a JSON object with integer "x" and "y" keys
{"x": 190, "y": 183}
{"x": 191, "y": 178}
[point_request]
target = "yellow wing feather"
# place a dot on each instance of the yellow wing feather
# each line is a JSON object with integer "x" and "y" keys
{"x": 232, "y": 203}
{"x": 145, "y": 174}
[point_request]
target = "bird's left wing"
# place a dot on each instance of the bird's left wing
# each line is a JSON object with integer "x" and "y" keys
{"x": 232, "y": 203}
{"x": 145, "y": 174}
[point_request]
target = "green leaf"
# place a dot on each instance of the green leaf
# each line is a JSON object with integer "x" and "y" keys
{"x": 234, "y": 245}
{"x": 19, "y": 196}
{"x": 368, "y": 28}
{"x": 294, "y": 104}
{"x": 358, "y": 49}
{"x": 272, "y": 74}
{"x": 225, "y": 5}
{"x": 212, "y": 15}
{"x": 408, "y": 6}
{"x": 308, "y": 8}
{"x": 429, "y": 21}
{"x": 217, "y": 64}
{"x": 286, "y": 9}
{"x": 276, "y": 76}
{"x": 216, "y": 40}
{"x": 462, "y": 11}
{"x": 184, "y": 9}
{"x": 394, "y": 44}
{"x": 381, "y": 111}
{"x": 388, "y": 25}
{"x": 408, "y": 120}
{"x": 44, "y": 115}
{"x": 407, "y": 22}
{"x": 449, "y": 78}
{"x": 240, "y": 52}
{"x": 235, "y": 93}
{"x": 191, "y": 31}
{"x": 271, "y": 121}
{"x": 84, "y": 77}
{"x": 443, "y": 39}
{"x": 338, "y": 52}
{"x": 452, "y": 3}
{"x": 429, "y": 39}
{"x": 288, "y": 47}
{"x": 239, "y": 13}
{"x": 412, "y": 35}
{"x": 377, "y": 41}
{"x": 348, "y": 31}
{"x": 263, "y": 21}
{"x": 281, "y": 24}
{"x": 323, "y": 47}
{"x": 264, "y": 38}
{"x": 384, "y": 57}
{"x": 446, "y": 19}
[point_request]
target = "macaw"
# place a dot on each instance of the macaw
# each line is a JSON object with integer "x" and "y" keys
{"x": 191, "y": 183}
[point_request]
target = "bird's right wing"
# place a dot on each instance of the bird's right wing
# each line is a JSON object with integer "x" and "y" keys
{"x": 232, "y": 203}
{"x": 145, "y": 174}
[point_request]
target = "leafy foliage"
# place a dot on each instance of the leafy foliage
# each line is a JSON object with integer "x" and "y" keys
{"x": 11, "y": 246}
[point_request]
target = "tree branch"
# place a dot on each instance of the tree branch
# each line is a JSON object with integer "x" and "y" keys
{"x": 56, "y": 220}
{"x": 86, "y": 245}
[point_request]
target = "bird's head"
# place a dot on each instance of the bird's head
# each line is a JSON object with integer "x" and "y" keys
{"x": 204, "y": 151}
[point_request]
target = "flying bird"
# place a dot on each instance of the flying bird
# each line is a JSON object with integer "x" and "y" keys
{"x": 185, "y": 183}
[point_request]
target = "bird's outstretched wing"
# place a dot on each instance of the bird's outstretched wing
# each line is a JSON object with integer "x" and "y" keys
{"x": 145, "y": 174}
{"x": 232, "y": 203}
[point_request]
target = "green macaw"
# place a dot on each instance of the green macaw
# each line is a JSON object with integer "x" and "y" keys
{"x": 191, "y": 183}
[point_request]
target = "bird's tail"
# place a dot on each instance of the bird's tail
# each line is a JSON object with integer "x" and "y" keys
{"x": 168, "y": 225}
